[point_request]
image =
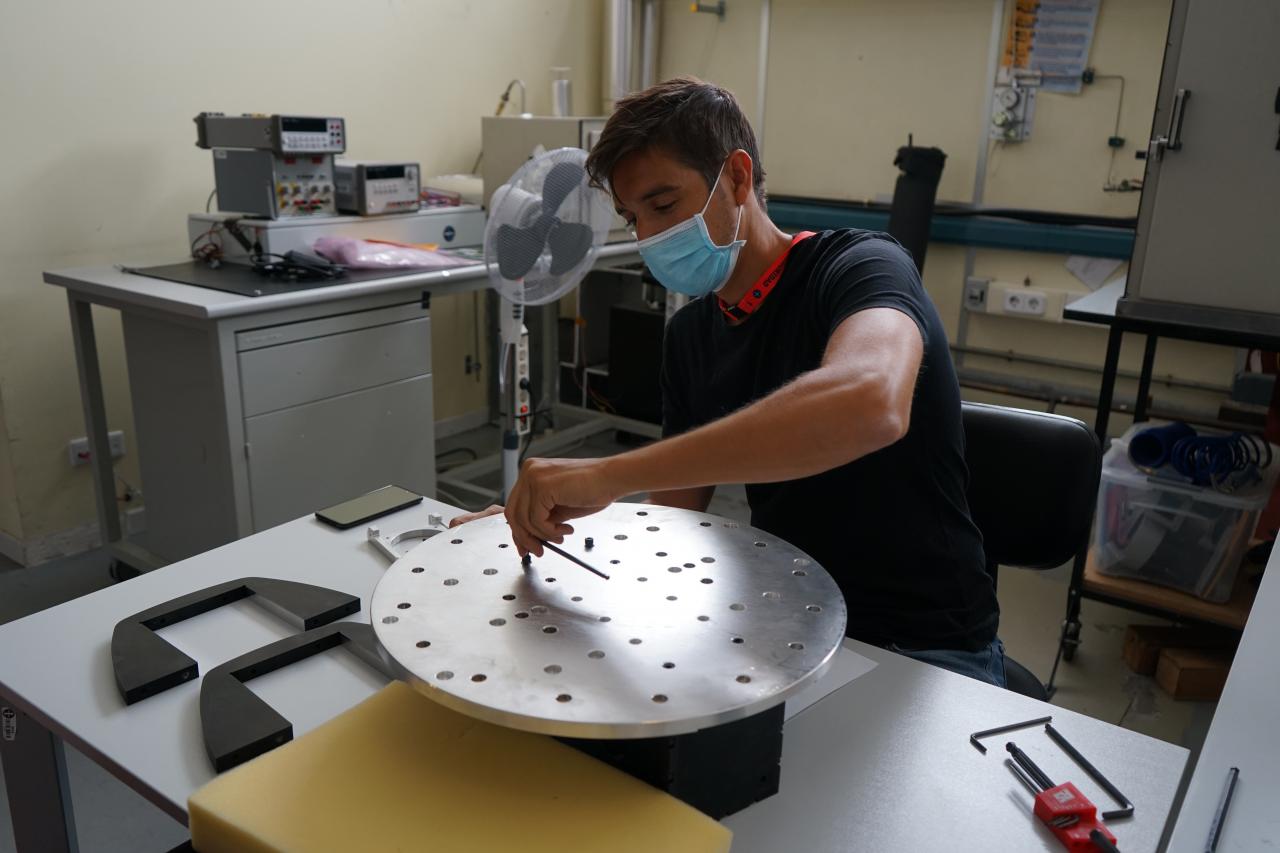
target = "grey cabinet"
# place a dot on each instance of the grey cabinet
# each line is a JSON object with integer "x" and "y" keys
{"x": 1208, "y": 241}
{"x": 245, "y": 423}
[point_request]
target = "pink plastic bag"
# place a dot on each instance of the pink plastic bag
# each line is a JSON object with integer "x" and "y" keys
{"x": 368, "y": 255}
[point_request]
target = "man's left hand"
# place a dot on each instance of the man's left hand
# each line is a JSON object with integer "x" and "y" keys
{"x": 549, "y": 493}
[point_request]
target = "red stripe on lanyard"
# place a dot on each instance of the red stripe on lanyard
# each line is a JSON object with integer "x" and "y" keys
{"x": 760, "y": 291}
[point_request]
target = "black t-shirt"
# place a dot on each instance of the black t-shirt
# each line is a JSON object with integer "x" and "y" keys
{"x": 893, "y": 527}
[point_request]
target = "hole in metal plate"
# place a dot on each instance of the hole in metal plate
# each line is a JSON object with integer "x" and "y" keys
{"x": 455, "y": 541}
{"x": 707, "y": 580}
{"x": 552, "y": 669}
{"x": 737, "y": 641}
{"x": 743, "y": 679}
{"x": 671, "y": 598}
{"x": 704, "y": 524}
{"x": 417, "y": 570}
{"x": 635, "y": 641}
{"x": 508, "y": 597}
{"x": 490, "y": 571}
{"x": 708, "y": 559}
{"x": 668, "y": 665}
{"x": 444, "y": 675}
{"x": 390, "y": 620}
{"x": 605, "y": 619}
{"x": 800, "y": 573}
{"x": 576, "y": 598}
{"x": 675, "y": 570}
{"x": 770, "y": 594}
{"x": 478, "y": 677}
{"x": 538, "y": 608}
{"x": 652, "y": 529}
{"x": 422, "y": 644}
{"x": 497, "y": 623}
{"x": 564, "y": 697}
{"x": 641, "y": 579}
{"x": 450, "y": 581}
{"x": 737, "y": 606}
{"x": 620, "y": 536}
{"x": 595, "y": 654}
{"x": 814, "y": 608}
{"x": 761, "y": 544}
{"x": 659, "y": 698}
{"x": 688, "y": 565}
{"x": 404, "y": 605}
{"x": 641, "y": 512}
{"x": 797, "y": 646}
{"x": 551, "y": 580}
{"x": 704, "y": 618}
{"x": 549, "y": 629}
{"x": 660, "y": 554}
{"x": 522, "y": 614}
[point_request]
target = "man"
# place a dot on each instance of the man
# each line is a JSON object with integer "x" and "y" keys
{"x": 814, "y": 368}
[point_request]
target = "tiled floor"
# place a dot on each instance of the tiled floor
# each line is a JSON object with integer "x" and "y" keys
{"x": 111, "y": 817}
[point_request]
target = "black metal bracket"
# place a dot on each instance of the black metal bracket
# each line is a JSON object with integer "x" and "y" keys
{"x": 239, "y": 726}
{"x": 145, "y": 664}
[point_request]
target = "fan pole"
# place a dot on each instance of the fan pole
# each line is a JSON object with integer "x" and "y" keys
{"x": 515, "y": 377}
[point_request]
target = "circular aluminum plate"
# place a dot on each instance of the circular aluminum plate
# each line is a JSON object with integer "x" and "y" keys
{"x": 703, "y": 621}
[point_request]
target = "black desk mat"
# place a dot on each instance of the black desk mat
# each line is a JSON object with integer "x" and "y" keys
{"x": 237, "y": 278}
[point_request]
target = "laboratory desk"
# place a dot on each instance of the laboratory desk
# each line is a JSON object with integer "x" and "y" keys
{"x": 882, "y": 762}
{"x": 249, "y": 411}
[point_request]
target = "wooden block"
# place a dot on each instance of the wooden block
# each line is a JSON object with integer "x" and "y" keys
{"x": 1193, "y": 673}
{"x": 1143, "y": 643}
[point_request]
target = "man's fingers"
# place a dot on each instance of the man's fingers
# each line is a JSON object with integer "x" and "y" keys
{"x": 472, "y": 516}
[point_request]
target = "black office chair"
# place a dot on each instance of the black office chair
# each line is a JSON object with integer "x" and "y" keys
{"x": 1033, "y": 483}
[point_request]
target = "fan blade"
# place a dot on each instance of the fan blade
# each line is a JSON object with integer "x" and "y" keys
{"x": 562, "y": 179}
{"x": 569, "y": 242}
{"x": 518, "y": 249}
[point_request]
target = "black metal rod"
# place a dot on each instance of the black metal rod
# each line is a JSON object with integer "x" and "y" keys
{"x": 1022, "y": 777}
{"x": 1126, "y": 809}
{"x": 1220, "y": 816}
{"x": 1036, "y": 774}
{"x": 999, "y": 730}
{"x": 574, "y": 559}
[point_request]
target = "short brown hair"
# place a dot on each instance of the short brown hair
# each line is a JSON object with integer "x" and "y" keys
{"x": 698, "y": 123}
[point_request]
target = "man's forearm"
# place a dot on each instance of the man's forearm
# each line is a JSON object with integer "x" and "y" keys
{"x": 820, "y": 421}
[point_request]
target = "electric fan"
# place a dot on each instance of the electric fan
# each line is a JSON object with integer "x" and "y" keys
{"x": 545, "y": 226}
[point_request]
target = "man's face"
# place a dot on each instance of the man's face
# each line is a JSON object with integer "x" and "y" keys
{"x": 653, "y": 191}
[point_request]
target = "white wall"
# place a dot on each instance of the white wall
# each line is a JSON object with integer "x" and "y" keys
{"x": 849, "y": 79}
{"x": 100, "y": 164}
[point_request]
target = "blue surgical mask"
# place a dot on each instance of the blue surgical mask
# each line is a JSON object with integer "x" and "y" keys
{"x": 684, "y": 257}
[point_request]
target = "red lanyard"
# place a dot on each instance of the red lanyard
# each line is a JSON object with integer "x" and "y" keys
{"x": 755, "y": 297}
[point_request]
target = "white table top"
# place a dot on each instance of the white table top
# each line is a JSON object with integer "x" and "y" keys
{"x": 112, "y": 286}
{"x": 1096, "y": 307}
{"x": 1244, "y": 735}
{"x": 883, "y": 763}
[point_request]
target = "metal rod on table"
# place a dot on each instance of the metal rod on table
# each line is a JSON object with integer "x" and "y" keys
{"x": 1037, "y": 775}
{"x": 574, "y": 559}
{"x": 1022, "y": 776}
{"x": 999, "y": 730}
{"x": 1220, "y": 816}
{"x": 1126, "y": 809}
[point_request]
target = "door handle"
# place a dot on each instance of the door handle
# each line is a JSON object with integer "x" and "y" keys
{"x": 1171, "y": 140}
{"x": 1174, "y": 136}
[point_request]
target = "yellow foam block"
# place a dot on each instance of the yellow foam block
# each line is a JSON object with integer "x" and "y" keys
{"x": 400, "y": 772}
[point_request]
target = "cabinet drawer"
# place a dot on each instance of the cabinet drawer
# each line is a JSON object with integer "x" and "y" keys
{"x": 313, "y": 456}
{"x": 291, "y": 374}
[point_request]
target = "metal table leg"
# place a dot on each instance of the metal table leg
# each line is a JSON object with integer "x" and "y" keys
{"x": 95, "y": 418}
{"x": 35, "y": 775}
{"x": 1069, "y": 639}
{"x": 1144, "y": 379}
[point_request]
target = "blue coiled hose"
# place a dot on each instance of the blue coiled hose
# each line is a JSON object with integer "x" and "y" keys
{"x": 1206, "y": 460}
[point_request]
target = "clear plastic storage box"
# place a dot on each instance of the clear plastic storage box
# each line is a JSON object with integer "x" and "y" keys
{"x": 1190, "y": 538}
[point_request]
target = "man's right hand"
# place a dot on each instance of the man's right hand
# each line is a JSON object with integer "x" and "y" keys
{"x": 472, "y": 516}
